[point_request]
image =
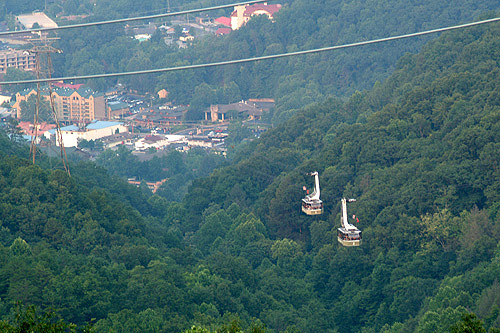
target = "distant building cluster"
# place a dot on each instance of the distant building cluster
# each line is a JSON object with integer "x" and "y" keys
{"x": 118, "y": 117}
{"x": 114, "y": 118}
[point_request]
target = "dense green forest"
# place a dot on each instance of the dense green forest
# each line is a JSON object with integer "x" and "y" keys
{"x": 420, "y": 152}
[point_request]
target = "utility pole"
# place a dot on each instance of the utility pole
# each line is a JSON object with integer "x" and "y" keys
{"x": 42, "y": 48}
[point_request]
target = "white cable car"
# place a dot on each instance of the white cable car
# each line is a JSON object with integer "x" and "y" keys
{"x": 311, "y": 204}
{"x": 348, "y": 235}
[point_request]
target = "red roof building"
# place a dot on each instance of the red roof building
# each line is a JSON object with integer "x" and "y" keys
{"x": 242, "y": 14}
{"x": 225, "y": 21}
{"x": 29, "y": 129}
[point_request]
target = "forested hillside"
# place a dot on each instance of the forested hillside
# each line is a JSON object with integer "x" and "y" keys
{"x": 420, "y": 152}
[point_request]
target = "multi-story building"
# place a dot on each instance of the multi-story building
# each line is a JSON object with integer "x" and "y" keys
{"x": 20, "y": 59}
{"x": 72, "y": 103}
{"x": 242, "y": 14}
{"x": 79, "y": 104}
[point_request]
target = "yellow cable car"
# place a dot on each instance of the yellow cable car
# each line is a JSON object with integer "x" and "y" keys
{"x": 348, "y": 235}
{"x": 311, "y": 204}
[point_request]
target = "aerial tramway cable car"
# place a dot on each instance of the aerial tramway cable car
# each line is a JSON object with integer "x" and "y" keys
{"x": 311, "y": 204}
{"x": 348, "y": 235}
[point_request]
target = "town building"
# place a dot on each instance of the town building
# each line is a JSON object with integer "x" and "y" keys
{"x": 29, "y": 129}
{"x": 72, "y": 134}
{"x": 186, "y": 38}
{"x": 163, "y": 94}
{"x": 162, "y": 118}
{"x": 200, "y": 141}
{"x": 157, "y": 141}
{"x": 242, "y": 14}
{"x": 117, "y": 110}
{"x": 224, "y": 21}
{"x": 26, "y": 21}
{"x": 125, "y": 138}
{"x": 5, "y": 99}
{"x": 240, "y": 110}
{"x": 19, "y": 59}
{"x": 265, "y": 104}
{"x": 142, "y": 37}
{"x": 72, "y": 103}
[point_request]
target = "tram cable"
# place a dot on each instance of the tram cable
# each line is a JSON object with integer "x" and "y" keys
{"x": 268, "y": 57}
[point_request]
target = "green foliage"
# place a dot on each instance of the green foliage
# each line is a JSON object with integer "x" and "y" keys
{"x": 418, "y": 152}
{"x": 29, "y": 107}
{"x": 20, "y": 247}
{"x": 28, "y": 319}
{"x": 92, "y": 144}
{"x": 468, "y": 323}
{"x": 14, "y": 74}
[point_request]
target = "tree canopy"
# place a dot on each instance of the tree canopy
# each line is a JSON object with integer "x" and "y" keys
{"x": 419, "y": 152}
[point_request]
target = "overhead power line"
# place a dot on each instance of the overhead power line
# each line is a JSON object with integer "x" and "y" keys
{"x": 137, "y": 18}
{"x": 274, "y": 56}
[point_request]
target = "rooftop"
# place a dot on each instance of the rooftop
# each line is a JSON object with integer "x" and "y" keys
{"x": 154, "y": 138}
{"x": 65, "y": 128}
{"x": 239, "y": 107}
{"x": 83, "y": 91}
{"x": 100, "y": 124}
{"x": 223, "y": 21}
{"x": 66, "y": 90}
{"x": 94, "y": 125}
{"x": 271, "y": 9}
{"x": 28, "y": 127}
{"x": 43, "y": 20}
{"x": 117, "y": 105}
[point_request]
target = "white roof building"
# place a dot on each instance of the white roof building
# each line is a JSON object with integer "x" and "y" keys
{"x": 27, "y": 20}
{"x": 158, "y": 141}
{"x": 93, "y": 131}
